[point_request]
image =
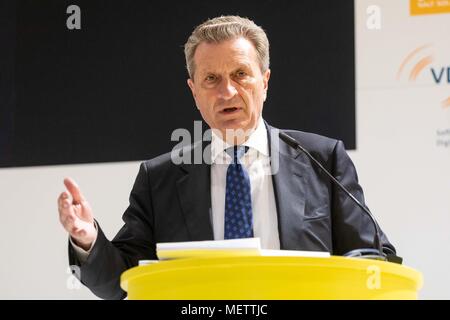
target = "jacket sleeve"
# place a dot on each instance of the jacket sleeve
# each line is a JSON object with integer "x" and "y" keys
{"x": 352, "y": 227}
{"x": 109, "y": 259}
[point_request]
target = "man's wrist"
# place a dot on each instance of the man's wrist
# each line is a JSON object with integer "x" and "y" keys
{"x": 83, "y": 245}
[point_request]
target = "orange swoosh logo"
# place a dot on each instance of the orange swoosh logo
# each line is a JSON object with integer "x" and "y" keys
{"x": 419, "y": 66}
{"x": 446, "y": 103}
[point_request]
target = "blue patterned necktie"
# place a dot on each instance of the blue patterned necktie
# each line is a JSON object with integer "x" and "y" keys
{"x": 238, "y": 200}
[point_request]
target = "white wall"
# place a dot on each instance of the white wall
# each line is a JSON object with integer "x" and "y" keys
{"x": 404, "y": 173}
{"x": 33, "y": 243}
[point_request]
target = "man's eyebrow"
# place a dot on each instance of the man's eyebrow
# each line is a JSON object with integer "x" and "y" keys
{"x": 243, "y": 65}
{"x": 238, "y": 66}
{"x": 205, "y": 70}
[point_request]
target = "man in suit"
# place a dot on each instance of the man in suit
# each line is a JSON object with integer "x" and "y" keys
{"x": 231, "y": 194}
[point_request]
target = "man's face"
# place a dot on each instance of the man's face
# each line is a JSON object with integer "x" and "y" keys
{"x": 228, "y": 86}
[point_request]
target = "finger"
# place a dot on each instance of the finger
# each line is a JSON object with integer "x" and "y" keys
{"x": 64, "y": 202}
{"x": 74, "y": 190}
{"x": 66, "y": 208}
{"x": 67, "y": 212}
{"x": 62, "y": 197}
{"x": 83, "y": 212}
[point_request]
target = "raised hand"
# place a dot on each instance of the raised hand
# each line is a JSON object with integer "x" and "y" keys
{"x": 75, "y": 214}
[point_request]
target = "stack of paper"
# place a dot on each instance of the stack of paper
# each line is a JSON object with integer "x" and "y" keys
{"x": 234, "y": 247}
{"x": 175, "y": 250}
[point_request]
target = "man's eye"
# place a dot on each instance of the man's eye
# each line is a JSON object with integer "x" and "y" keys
{"x": 241, "y": 74}
{"x": 210, "y": 78}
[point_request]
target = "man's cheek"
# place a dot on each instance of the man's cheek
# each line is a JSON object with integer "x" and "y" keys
{"x": 249, "y": 97}
{"x": 245, "y": 93}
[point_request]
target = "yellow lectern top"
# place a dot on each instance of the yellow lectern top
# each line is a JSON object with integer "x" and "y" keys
{"x": 237, "y": 276}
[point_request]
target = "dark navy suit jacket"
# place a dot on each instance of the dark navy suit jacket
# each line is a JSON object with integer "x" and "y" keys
{"x": 171, "y": 202}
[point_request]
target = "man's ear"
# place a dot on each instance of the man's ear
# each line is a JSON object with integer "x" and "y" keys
{"x": 191, "y": 85}
{"x": 266, "y": 77}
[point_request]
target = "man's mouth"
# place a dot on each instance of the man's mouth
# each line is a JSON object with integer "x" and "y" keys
{"x": 230, "y": 110}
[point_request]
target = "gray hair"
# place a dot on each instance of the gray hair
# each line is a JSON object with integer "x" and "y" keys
{"x": 225, "y": 28}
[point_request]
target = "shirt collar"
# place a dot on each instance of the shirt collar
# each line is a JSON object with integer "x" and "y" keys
{"x": 257, "y": 140}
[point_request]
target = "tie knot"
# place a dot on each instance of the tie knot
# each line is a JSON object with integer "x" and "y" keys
{"x": 237, "y": 152}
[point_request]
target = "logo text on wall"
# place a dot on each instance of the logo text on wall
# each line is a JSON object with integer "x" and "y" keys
{"x": 425, "y": 67}
{"x": 422, "y": 7}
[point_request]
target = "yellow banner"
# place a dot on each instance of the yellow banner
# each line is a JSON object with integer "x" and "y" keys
{"x": 420, "y": 7}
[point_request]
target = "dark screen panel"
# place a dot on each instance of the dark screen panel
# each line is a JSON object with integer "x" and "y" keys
{"x": 7, "y": 63}
{"x": 116, "y": 89}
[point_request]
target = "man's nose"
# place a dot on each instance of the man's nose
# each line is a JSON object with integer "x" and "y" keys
{"x": 227, "y": 89}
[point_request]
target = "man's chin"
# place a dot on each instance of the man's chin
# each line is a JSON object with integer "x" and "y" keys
{"x": 233, "y": 125}
{"x": 234, "y": 131}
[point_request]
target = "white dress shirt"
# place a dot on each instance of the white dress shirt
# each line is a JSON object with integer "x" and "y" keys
{"x": 257, "y": 163}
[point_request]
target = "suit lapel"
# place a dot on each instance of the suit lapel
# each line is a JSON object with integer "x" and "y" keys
{"x": 289, "y": 183}
{"x": 194, "y": 192}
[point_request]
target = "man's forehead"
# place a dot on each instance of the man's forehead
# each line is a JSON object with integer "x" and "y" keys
{"x": 230, "y": 54}
{"x": 216, "y": 65}
{"x": 238, "y": 45}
